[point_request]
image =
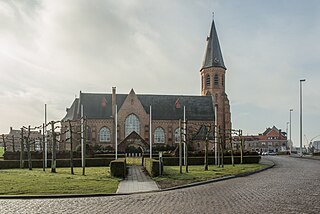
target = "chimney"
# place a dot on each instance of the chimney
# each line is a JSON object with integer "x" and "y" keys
{"x": 114, "y": 101}
{"x": 10, "y": 129}
{"x": 280, "y": 134}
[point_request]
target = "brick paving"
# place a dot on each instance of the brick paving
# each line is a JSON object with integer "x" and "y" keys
{"x": 136, "y": 181}
{"x": 292, "y": 186}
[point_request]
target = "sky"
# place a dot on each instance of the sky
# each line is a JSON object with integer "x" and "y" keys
{"x": 50, "y": 50}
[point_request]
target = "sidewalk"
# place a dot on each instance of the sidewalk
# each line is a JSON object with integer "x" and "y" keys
{"x": 136, "y": 181}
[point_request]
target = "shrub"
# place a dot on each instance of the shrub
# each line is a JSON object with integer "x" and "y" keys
{"x": 174, "y": 161}
{"x": 118, "y": 168}
{"x": 90, "y": 162}
{"x": 152, "y": 166}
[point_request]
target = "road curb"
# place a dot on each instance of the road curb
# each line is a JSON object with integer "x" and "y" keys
{"x": 134, "y": 193}
{"x": 305, "y": 157}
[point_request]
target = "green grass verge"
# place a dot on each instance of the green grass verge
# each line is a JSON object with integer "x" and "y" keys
{"x": 172, "y": 177}
{"x": 37, "y": 182}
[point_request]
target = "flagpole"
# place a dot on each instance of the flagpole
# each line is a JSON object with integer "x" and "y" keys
{"x": 150, "y": 131}
{"x": 215, "y": 134}
{"x": 184, "y": 135}
{"x": 45, "y": 137}
{"x": 82, "y": 137}
{"x": 116, "y": 131}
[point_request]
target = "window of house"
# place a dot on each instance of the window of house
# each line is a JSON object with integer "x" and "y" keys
{"x": 132, "y": 124}
{"x": 105, "y": 135}
{"x": 177, "y": 135}
{"x": 159, "y": 136}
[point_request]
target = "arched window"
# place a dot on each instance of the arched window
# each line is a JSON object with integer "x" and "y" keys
{"x": 177, "y": 135}
{"x": 202, "y": 81}
{"x": 216, "y": 80}
{"x": 223, "y": 81}
{"x": 88, "y": 134}
{"x": 159, "y": 135}
{"x": 208, "y": 80}
{"x": 104, "y": 135}
{"x": 132, "y": 124}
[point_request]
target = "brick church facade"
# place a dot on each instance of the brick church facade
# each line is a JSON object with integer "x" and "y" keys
{"x": 127, "y": 119}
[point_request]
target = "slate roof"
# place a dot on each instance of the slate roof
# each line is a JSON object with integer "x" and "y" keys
{"x": 99, "y": 106}
{"x": 213, "y": 55}
{"x": 72, "y": 111}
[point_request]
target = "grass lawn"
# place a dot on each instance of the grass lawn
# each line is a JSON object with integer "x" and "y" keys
{"x": 172, "y": 177}
{"x": 37, "y": 182}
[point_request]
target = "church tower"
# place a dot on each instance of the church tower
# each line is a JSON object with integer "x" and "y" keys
{"x": 213, "y": 81}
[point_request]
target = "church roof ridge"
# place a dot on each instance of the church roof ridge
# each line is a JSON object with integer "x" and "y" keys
{"x": 164, "y": 106}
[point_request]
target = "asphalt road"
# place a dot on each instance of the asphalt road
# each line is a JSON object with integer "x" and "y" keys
{"x": 292, "y": 186}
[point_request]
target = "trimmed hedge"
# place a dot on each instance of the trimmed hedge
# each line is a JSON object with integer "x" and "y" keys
{"x": 174, "y": 161}
{"x": 118, "y": 168}
{"x": 152, "y": 166}
{"x": 108, "y": 156}
{"x": 90, "y": 162}
{"x": 9, "y": 155}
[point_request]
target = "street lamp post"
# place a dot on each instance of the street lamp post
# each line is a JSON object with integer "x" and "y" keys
{"x": 302, "y": 80}
{"x": 290, "y": 132}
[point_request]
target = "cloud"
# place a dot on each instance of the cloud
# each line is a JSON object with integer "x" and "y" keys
{"x": 50, "y": 50}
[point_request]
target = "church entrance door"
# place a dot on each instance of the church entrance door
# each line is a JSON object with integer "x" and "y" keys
{"x": 134, "y": 146}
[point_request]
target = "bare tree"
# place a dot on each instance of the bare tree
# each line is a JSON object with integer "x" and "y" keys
{"x": 53, "y": 155}
{"x": 71, "y": 148}
{"x": 21, "y": 148}
{"x": 27, "y": 142}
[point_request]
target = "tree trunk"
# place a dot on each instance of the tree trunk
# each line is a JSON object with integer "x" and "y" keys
{"x": 84, "y": 147}
{"x": 206, "y": 155}
{"x": 27, "y": 143}
{"x": 21, "y": 149}
{"x": 13, "y": 146}
{"x": 232, "y": 158}
{"x": 29, "y": 155}
{"x": 241, "y": 147}
{"x": 71, "y": 149}
{"x": 53, "y": 158}
{"x": 222, "y": 156}
{"x": 180, "y": 148}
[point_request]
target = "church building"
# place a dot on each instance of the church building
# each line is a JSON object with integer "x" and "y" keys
{"x": 136, "y": 119}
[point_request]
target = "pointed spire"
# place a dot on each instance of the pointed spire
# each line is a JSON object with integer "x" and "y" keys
{"x": 213, "y": 56}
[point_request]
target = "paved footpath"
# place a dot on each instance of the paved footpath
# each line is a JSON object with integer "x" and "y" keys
{"x": 292, "y": 186}
{"x": 136, "y": 181}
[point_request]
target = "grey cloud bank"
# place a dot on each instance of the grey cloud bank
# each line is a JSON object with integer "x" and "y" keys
{"x": 50, "y": 50}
